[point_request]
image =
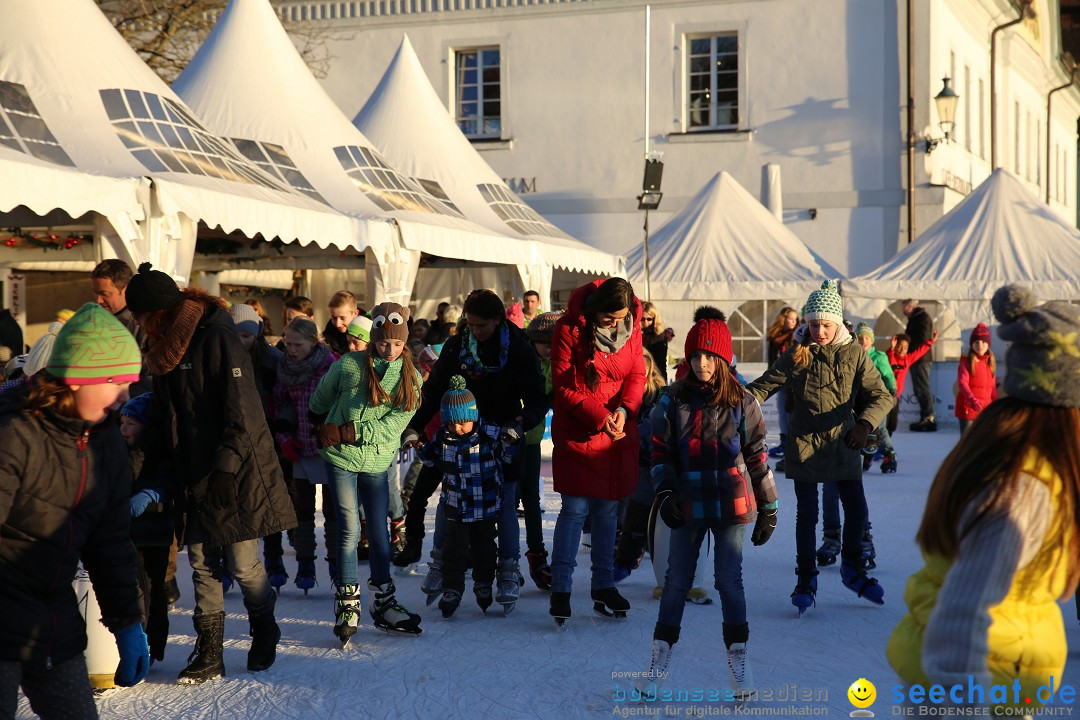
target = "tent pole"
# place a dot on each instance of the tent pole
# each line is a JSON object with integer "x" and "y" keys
{"x": 910, "y": 125}
{"x": 648, "y": 287}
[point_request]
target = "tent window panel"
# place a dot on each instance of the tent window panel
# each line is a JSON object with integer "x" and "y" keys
{"x": 30, "y": 128}
{"x": 249, "y": 149}
{"x": 150, "y": 133}
{"x": 713, "y": 80}
{"x": 157, "y": 110}
{"x": 15, "y": 98}
{"x": 149, "y": 160}
{"x": 277, "y": 155}
{"x": 171, "y": 162}
{"x": 135, "y": 102}
{"x": 10, "y": 142}
{"x": 478, "y": 92}
{"x": 114, "y": 104}
{"x": 129, "y": 135}
{"x": 52, "y": 153}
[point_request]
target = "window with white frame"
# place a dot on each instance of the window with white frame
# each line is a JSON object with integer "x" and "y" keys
{"x": 712, "y": 88}
{"x": 478, "y": 92}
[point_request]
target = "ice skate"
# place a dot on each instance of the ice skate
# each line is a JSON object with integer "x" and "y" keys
{"x": 346, "y": 612}
{"x": 509, "y": 589}
{"x": 869, "y": 554}
{"x": 805, "y": 592}
{"x": 387, "y": 613}
{"x": 857, "y": 581}
{"x": 305, "y": 575}
{"x": 539, "y": 569}
{"x": 830, "y": 548}
{"x": 739, "y": 673}
{"x": 432, "y": 585}
{"x": 275, "y": 571}
{"x": 483, "y": 596}
{"x": 888, "y": 465}
{"x": 449, "y": 602}
{"x": 560, "y": 607}
{"x": 649, "y": 684}
{"x": 609, "y": 603}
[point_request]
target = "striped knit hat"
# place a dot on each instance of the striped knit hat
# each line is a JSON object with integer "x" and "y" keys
{"x": 136, "y": 407}
{"x": 541, "y": 328}
{"x": 864, "y": 329}
{"x": 458, "y": 403}
{"x": 94, "y": 348}
{"x": 360, "y": 327}
{"x": 825, "y": 303}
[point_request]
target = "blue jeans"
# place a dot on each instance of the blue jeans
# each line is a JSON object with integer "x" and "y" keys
{"x": 727, "y": 571}
{"x": 806, "y": 517}
{"x": 350, "y": 490}
{"x": 568, "y": 535}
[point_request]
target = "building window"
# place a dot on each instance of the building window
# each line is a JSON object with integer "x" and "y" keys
{"x": 478, "y": 87}
{"x": 967, "y": 108}
{"x": 712, "y": 98}
{"x": 982, "y": 121}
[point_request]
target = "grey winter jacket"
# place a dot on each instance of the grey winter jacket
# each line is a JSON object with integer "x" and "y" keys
{"x": 824, "y": 408}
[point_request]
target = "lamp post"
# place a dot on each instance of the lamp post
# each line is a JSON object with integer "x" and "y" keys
{"x": 649, "y": 199}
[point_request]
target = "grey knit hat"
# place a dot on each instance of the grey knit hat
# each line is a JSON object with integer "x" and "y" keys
{"x": 1043, "y": 359}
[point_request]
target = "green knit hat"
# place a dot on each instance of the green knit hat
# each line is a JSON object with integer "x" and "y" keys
{"x": 94, "y": 348}
{"x": 864, "y": 329}
{"x": 825, "y": 304}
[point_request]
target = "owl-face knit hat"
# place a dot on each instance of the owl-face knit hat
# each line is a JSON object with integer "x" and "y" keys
{"x": 389, "y": 321}
{"x": 151, "y": 290}
{"x": 864, "y": 329}
{"x": 93, "y": 348}
{"x": 135, "y": 408}
{"x": 541, "y": 329}
{"x": 246, "y": 319}
{"x": 981, "y": 332}
{"x": 825, "y": 303}
{"x": 458, "y": 403}
{"x": 360, "y": 327}
{"x": 1043, "y": 359}
{"x": 709, "y": 334}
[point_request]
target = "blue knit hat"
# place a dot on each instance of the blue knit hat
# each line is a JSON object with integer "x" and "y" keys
{"x": 825, "y": 303}
{"x": 458, "y": 404}
{"x": 136, "y": 407}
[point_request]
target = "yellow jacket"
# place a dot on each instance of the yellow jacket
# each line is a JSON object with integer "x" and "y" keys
{"x": 1026, "y": 636}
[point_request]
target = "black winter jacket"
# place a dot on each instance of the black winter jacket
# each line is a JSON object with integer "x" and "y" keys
{"x": 64, "y": 489}
{"x": 919, "y": 328}
{"x": 515, "y": 390}
{"x": 146, "y": 381}
{"x": 207, "y": 422}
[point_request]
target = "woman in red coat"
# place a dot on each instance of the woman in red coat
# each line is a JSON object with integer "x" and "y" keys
{"x": 976, "y": 379}
{"x": 598, "y": 375}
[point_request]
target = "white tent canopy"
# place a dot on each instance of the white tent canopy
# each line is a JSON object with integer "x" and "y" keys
{"x": 249, "y": 83}
{"x": 406, "y": 119}
{"x": 104, "y": 112}
{"x": 1001, "y": 233}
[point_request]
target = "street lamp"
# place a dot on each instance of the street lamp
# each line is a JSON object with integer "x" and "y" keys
{"x": 649, "y": 199}
{"x": 946, "y": 102}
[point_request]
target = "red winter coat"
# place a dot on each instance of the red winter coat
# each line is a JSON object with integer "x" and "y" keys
{"x": 586, "y": 462}
{"x": 977, "y": 387}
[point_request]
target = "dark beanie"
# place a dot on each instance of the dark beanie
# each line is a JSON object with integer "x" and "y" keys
{"x": 151, "y": 290}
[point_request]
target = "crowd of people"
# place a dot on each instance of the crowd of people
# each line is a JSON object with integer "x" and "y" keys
{"x": 160, "y": 418}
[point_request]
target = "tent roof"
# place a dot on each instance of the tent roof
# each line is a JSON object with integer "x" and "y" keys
{"x": 104, "y": 112}
{"x": 1000, "y": 233}
{"x": 406, "y": 119}
{"x": 725, "y": 245}
{"x": 249, "y": 83}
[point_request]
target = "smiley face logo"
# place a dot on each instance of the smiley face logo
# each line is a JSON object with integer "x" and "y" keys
{"x": 862, "y": 693}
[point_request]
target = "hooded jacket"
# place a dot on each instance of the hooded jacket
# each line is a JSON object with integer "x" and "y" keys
{"x": 586, "y": 462}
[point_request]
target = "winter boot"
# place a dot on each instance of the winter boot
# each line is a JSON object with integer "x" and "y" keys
{"x": 739, "y": 673}
{"x": 509, "y": 589}
{"x": 609, "y": 603}
{"x": 778, "y": 451}
{"x": 275, "y": 571}
{"x": 867, "y": 461}
{"x": 539, "y": 569}
{"x": 432, "y": 585}
{"x": 205, "y": 661}
{"x": 387, "y": 613}
{"x": 560, "y": 607}
{"x": 397, "y": 536}
{"x": 450, "y": 600}
{"x": 265, "y": 635}
{"x": 305, "y": 574}
{"x": 805, "y": 592}
{"x": 888, "y": 465}
{"x": 868, "y": 552}
{"x": 414, "y": 548}
{"x": 362, "y": 547}
{"x": 483, "y": 595}
{"x": 346, "y": 612}
{"x": 830, "y": 548}
{"x": 927, "y": 424}
{"x": 853, "y": 574}
{"x": 172, "y": 591}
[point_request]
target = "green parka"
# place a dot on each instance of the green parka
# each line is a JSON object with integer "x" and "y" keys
{"x": 824, "y": 395}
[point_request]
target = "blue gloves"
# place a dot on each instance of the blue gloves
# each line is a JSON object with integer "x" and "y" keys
{"x": 134, "y": 655}
{"x": 141, "y": 500}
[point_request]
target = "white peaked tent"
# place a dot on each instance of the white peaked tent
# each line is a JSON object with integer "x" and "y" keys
{"x": 723, "y": 249}
{"x": 405, "y": 118}
{"x": 82, "y": 98}
{"x": 249, "y": 83}
{"x": 1001, "y": 233}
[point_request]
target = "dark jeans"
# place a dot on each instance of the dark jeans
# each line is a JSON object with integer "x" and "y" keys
{"x": 63, "y": 693}
{"x": 478, "y": 535}
{"x": 426, "y": 483}
{"x": 529, "y": 494}
{"x": 634, "y": 535}
{"x": 806, "y": 517}
{"x": 920, "y": 379}
{"x": 152, "y": 563}
{"x": 727, "y": 569}
{"x": 830, "y": 508}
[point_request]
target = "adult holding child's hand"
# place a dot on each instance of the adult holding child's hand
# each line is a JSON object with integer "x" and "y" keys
{"x": 598, "y": 377}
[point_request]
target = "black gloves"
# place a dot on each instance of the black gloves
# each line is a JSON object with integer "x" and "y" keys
{"x": 856, "y": 437}
{"x": 409, "y": 439}
{"x": 667, "y": 504}
{"x": 330, "y": 434}
{"x": 763, "y": 528}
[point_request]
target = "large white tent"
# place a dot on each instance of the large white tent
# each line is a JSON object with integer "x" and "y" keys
{"x": 406, "y": 119}
{"x": 81, "y": 98}
{"x": 724, "y": 249}
{"x": 1001, "y": 233}
{"x": 249, "y": 83}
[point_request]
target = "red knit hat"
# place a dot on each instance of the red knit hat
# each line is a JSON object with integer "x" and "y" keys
{"x": 981, "y": 332}
{"x": 711, "y": 335}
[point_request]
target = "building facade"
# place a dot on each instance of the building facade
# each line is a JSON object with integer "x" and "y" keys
{"x": 565, "y": 98}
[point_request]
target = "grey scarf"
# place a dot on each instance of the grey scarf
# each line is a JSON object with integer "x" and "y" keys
{"x": 611, "y": 341}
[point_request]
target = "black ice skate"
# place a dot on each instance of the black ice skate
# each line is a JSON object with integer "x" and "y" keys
{"x": 560, "y": 607}
{"x": 609, "y": 603}
{"x": 387, "y": 613}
